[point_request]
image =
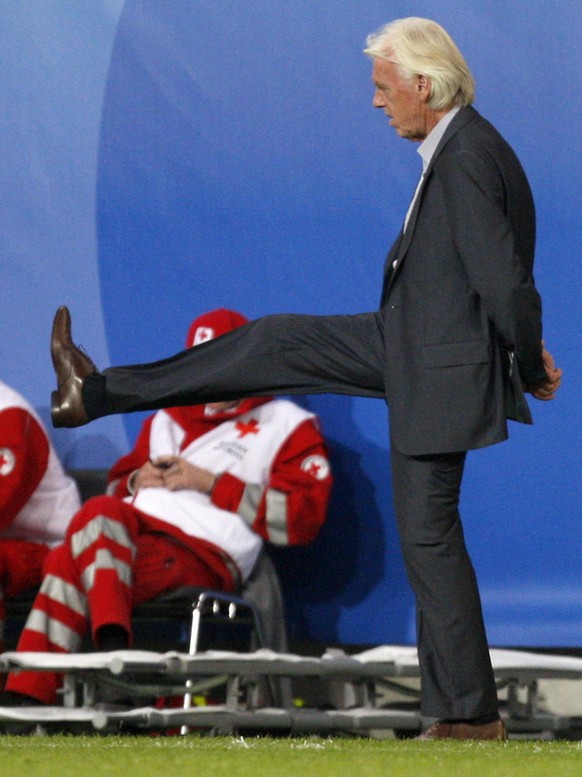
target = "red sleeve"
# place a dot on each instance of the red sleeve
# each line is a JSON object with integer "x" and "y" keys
{"x": 24, "y": 453}
{"x": 292, "y": 507}
{"x": 122, "y": 469}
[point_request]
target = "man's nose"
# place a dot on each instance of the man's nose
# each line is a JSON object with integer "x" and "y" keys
{"x": 378, "y": 99}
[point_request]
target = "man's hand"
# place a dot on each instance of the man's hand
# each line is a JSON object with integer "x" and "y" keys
{"x": 177, "y": 474}
{"x": 148, "y": 476}
{"x": 547, "y": 389}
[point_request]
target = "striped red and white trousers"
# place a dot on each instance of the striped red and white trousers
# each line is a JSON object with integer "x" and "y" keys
{"x": 113, "y": 558}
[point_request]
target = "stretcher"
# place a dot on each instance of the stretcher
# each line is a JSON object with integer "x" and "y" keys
{"x": 361, "y": 676}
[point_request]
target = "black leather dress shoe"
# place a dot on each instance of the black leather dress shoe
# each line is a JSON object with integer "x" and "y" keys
{"x": 72, "y": 367}
{"x": 494, "y": 731}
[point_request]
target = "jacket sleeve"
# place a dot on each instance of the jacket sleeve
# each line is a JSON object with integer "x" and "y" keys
{"x": 486, "y": 243}
{"x": 24, "y": 453}
{"x": 291, "y": 508}
{"x": 122, "y": 470}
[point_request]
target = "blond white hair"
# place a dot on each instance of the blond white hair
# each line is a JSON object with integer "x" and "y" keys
{"x": 422, "y": 47}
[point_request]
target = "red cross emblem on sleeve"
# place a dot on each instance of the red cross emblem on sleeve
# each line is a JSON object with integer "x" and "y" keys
{"x": 7, "y": 461}
{"x": 316, "y": 466}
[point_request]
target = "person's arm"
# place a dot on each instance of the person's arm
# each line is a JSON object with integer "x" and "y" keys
{"x": 288, "y": 510}
{"x": 292, "y": 507}
{"x": 24, "y": 454}
{"x": 122, "y": 476}
{"x": 483, "y": 235}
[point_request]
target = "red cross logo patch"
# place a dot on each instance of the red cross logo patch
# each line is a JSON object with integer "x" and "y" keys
{"x": 7, "y": 461}
{"x": 316, "y": 466}
{"x": 203, "y": 334}
{"x": 247, "y": 427}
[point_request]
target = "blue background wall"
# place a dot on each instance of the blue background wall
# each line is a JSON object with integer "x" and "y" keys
{"x": 162, "y": 158}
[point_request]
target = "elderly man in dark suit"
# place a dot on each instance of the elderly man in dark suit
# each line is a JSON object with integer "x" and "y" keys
{"x": 456, "y": 343}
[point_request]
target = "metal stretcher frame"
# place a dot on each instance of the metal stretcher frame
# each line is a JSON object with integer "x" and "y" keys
{"x": 517, "y": 669}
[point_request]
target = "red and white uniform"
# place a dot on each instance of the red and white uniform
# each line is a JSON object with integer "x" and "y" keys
{"x": 273, "y": 484}
{"x": 37, "y": 499}
{"x": 273, "y": 468}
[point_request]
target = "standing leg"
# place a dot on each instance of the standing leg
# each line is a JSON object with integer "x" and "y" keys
{"x": 456, "y": 676}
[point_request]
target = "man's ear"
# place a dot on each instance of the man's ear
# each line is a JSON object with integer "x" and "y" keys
{"x": 423, "y": 87}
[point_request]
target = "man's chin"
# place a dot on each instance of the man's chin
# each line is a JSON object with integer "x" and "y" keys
{"x": 406, "y": 135}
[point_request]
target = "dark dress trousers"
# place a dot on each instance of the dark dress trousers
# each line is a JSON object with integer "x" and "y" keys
{"x": 457, "y": 336}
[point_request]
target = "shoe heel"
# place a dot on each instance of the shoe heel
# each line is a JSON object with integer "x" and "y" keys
{"x": 56, "y": 415}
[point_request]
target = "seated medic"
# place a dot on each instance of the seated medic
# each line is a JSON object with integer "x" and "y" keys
{"x": 192, "y": 504}
{"x": 37, "y": 498}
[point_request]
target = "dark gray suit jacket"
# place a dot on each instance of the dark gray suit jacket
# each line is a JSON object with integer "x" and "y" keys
{"x": 461, "y": 315}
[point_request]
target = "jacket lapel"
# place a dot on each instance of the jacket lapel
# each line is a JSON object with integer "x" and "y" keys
{"x": 463, "y": 117}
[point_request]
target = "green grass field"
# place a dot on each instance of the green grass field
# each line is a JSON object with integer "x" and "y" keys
{"x": 110, "y": 756}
